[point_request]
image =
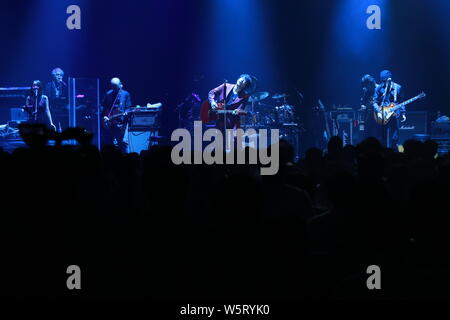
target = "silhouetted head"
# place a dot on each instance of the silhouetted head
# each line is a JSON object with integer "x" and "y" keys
{"x": 313, "y": 155}
{"x": 430, "y": 149}
{"x": 370, "y": 145}
{"x": 286, "y": 152}
{"x": 368, "y": 82}
{"x": 334, "y": 145}
{"x": 413, "y": 148}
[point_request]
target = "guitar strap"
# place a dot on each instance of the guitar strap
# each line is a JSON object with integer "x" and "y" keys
{"x": 385, "y": 93}
{"x": 114, "y": 102}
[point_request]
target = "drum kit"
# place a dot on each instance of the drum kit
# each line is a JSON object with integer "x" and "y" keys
{"x": 276, "y": 115}
{"x": 266, "y": 115}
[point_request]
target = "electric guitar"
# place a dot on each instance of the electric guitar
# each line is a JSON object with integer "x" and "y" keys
{"x": 117, "y": 117}
{"x": 386, "y": 113}
{"x": 208, "y": 114}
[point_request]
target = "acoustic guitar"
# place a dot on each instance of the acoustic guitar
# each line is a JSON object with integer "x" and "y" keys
{"x": 208, "y": 114}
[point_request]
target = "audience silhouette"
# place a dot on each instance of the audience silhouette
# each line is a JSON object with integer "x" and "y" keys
{"x": 141, "y": 227}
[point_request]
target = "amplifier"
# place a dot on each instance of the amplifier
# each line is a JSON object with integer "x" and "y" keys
{"x": 141, "y": 140}
{"x": 342, "y": 115}
{"x": 343, "y": 122}
{"x": 142, "y": 120}
{"x": 18, "y": 115}
{"x": 440, "y": 127}
{"x": 344, "y": 130}
{"x": 443, "y": 142}
{"x": 415, "y": 124}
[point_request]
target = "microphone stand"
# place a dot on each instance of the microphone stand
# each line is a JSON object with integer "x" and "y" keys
{"x": 225, "y": 113}
{"x": 253, "y": 113}
{"x": 36, "y": 93}
{"x": 384, "y": 130}
{"x": 114, "y": 103}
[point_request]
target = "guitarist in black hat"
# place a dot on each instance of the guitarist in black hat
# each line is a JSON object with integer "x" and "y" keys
{"x": 385, "y": 93}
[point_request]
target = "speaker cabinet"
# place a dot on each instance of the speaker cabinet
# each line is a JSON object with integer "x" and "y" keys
{"x": 140, "y": 140}
{"x": 18, "y": 115}
{"x": 416, "y": 123}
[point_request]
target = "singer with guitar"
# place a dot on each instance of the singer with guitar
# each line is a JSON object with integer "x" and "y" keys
{"x": 37, "y": 106}
{"x": 114, "y": 105}
{"x": 388, "y": 92}
{"x": 234, "y": 97}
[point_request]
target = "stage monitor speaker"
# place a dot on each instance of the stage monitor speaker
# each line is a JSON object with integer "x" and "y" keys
{"x": 416, "y": 123}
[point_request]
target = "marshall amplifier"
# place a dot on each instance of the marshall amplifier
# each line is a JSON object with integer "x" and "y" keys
{"x": 415, "y": 124}
{"x": 343, "y": 122}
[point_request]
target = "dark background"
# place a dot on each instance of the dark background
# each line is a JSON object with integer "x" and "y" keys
{"x": 160, "y": 48}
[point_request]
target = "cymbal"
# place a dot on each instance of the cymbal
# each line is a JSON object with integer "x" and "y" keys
{"x": 258, "y": 96}
{"x": 279, "y": 96}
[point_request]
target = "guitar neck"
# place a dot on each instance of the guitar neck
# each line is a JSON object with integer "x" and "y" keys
{"x": 227, "y": 111}
{"x": 152, "y": 106}
{"x": 404, "y": 103}
{"x": 116, "y": 116}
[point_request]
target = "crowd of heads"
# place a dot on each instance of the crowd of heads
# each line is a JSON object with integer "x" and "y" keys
{"x": 140, "y": 226}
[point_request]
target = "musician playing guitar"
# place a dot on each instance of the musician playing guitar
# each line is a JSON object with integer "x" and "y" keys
{"x": 388, "y": 92}
{"x": 236, "y": 97}
{"x": 114, "y": 104}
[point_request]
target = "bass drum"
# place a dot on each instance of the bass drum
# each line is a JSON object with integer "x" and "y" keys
{"x": 263, "y": 120}
{"x": 248, "y": 120}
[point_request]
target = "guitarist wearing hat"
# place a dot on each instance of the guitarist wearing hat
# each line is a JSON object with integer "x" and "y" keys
{"x": 388, "y": 92}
